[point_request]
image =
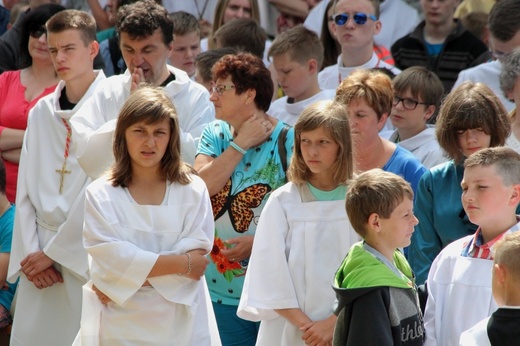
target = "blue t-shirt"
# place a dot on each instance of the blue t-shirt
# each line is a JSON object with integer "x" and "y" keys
{"x": 6, "y": 235}
{"x": 434, "y": 49}
{"x": 404, "y": 163}
{"x": 237, "y": 207}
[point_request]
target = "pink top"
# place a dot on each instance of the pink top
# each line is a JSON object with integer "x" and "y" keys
{"x": 14, "y": 110}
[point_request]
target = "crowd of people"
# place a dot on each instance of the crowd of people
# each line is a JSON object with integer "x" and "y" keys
{"x": 253, "y": 172}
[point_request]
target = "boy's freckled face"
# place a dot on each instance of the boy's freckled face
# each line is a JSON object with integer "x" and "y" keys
{"x": 407, "y": 119}
{"x": 294, "y": 78}
{"x": 484, "y": 195}
{"x": 396, "y": 231}
{"x": 185, "y": 49}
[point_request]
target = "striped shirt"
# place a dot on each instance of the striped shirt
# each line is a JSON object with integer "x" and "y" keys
{"x": 476, "y": 248}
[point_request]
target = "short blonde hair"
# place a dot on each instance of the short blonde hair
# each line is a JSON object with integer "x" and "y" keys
{"x": 505, "y": 160}
{"x": 374, "y": 191}
{"x": 372, "y": 86}
{"x": 301, "y": 45}
{"x": 334, "y": 118}
{"x": 506, "y": 253}
{"x": 375, "y": 3}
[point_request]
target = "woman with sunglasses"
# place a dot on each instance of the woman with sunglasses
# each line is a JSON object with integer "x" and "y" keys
{"x": 241, "y": 159}
{"x": 21, "y": 89}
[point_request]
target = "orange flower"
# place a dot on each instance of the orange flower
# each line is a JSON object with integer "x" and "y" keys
{"x": 221, "y": 262}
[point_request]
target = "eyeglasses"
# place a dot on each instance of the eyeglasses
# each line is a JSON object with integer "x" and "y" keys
{"x": 359, "y": 18}
{"x": 37, "y": 33}
{"x": 407, "y": 103}
{"x": 219, "y": 89}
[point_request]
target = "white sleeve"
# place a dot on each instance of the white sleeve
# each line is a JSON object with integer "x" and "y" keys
{"x": 25, "y": 238}
{"x": 119, "y": 268}
{"x": 268, "y": 283}
{"x": 432, "y": 315}
{"x": 92, "y": 134}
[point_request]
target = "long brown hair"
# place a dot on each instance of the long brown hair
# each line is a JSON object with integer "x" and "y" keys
{"x": 150, "y": 105}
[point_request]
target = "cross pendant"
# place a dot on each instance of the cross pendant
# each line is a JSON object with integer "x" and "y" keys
{"x": 62, "y": 173}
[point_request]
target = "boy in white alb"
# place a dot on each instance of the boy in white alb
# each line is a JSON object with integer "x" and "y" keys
{"x": 501, "y": 328}
{"x": 47, "y": 250}
{"x": 459, "y": 282}
{"x": 355, "y": 24}
{"x": 417, "y": 96}
{"x": 297, "y": 56}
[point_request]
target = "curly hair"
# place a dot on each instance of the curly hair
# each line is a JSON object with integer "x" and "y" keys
{"x": 141, "y": 19}
{"x": 247, "y": 72}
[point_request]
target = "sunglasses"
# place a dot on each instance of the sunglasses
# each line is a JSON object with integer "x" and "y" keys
{"x": 359, "y": 18}
{"x": 37, "y": 33}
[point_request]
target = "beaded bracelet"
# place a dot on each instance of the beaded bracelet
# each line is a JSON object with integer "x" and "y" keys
{"x": 189, "y": 264}
{"x": 237, "y": 148}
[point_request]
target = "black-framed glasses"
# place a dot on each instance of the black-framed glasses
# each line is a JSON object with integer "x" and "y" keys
{"x": 409, "y": 104}
{"x": 359, "y": 18}
{"x": 219, "y": 89}
{"x": 37, "y": 33}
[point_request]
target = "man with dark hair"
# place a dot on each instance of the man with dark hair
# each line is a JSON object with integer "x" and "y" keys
{"x": 504, "y": 37}
{"x": 146, "y": 33}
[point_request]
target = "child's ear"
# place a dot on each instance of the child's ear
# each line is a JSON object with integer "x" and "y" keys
{"x": 499, "y": 273}
{"x": 429, "y": 112}
{"x": 374, "y": 222}
{"x": 313, "y": 66}
{"x": 94, "y": 49}
{"x": 515, "y": 195}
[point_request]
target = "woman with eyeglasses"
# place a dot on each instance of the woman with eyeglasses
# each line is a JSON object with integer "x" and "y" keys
{"x": 368, "y": 96}
{"x": 242, "y": 157}
{"x": 471, "y": 118}
{"x": 21, "y": 89}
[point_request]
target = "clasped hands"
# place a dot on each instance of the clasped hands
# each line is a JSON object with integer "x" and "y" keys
{"x": 38, "y": 268}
